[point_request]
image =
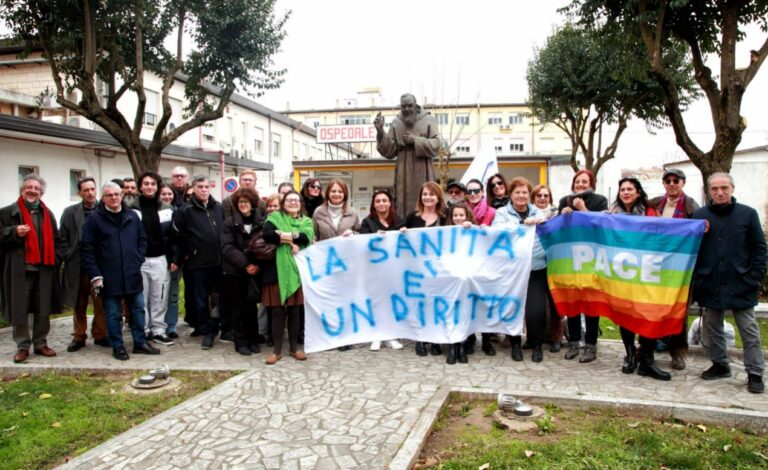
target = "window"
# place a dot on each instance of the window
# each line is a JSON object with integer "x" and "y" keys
{"x": 150, "y": 108}
{"x": 312, "y": 122}
{"x": 296, "y": 149}
{"x": 494, "y": 119}
{"x": 26, "y": 170}
{"x": 276, "y": 145}
{"x": 258, "y": 140}
{"x": 442, "y": 118}
{"x": 498, "y": 148}
{"x": 462, "y": 149}
{"x": 515, "y": 118}
{"x": 462, "y": 119}
{"x": 74, "y": 177}
{"x": 305, "y": 152}
{"x": 355, "y": 119}
{"x": 516, "y": 147}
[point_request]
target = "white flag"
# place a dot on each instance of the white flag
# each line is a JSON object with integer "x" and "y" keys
{"x": 482, "y": 167}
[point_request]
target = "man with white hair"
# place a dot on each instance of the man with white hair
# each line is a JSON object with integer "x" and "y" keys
{"x": 179, "y": 177}
{"x": 729, "y": 270}
{"x": 29, "y": 253}
{"x": 112, "y": 248}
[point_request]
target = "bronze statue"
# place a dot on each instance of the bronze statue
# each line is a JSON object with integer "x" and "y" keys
{"x": 414, "y": 140}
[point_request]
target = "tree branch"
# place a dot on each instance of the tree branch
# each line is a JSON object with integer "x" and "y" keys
{"x": 755, "y": 63}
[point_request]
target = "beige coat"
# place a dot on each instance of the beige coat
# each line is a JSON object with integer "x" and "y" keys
{"x": 414, "y": 163}
{"x": 324, "y": 228}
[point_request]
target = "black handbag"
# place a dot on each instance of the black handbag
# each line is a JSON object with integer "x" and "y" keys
{"x": 260, "y": 249}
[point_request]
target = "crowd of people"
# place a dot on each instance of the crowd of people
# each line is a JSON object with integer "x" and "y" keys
{"x": 127, "y": 252}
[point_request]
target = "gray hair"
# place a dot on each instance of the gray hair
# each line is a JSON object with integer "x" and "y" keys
{"x": 110, "y": 185}
{"x": 33, "y": 177}
{"x": 408, "y": 95}
{"x": 198, "y": 179}
{"x": 720, "y": 174}
{"x": 180, "y": 169}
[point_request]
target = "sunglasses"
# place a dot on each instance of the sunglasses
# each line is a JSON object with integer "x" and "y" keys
{"x": 543, "y": 195}
{"x": 671, "y": 180}
{"x": 498, "y": 183}
{"x": 315, "y": 186}
{"x": 474, "y": 191}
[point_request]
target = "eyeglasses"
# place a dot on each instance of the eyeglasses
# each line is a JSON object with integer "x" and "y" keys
{"x": 179, "y": 176}
{"x": 292, "y": 201}
{"x": 671, "y": 180}
{"x": 474, "y": 191}
{"x": 454, "y": 192}
{"x": 316, "y": 186}
{"x": 543, "y": 195}
{"x": 498, "y": 183}
{"x": 112, "y": 194}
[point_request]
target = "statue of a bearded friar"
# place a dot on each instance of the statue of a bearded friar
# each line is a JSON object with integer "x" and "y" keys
{"x": 414, "y": 140}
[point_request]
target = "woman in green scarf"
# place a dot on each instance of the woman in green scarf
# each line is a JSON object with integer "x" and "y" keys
{"x": 291, "y": 231}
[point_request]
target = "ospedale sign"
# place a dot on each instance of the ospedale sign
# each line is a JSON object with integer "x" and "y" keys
{"x": 346, "y": 133}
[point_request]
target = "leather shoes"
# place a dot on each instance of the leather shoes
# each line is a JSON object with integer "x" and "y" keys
{"x": 103, "y": 342}
{"x": 299, "y": 355}
{"x": 517, "y": 352}
{"x": 21, "y": 355}
{"x": 45, "y": 351}
{"x": 75, "y": 345}
{"x": 120, "y": 354}
{"x": 537, "y": 355}
{"x": 145, "y": 349}
{"x": 421, "y": 349}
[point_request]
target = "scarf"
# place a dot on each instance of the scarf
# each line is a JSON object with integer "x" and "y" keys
{"x": 335, "y": 212}
{"x": 637, "y": 209}
{"x": 288, "y": 279}
{"x": 32, "y": 244}
{"x": 679, "y": 207}
{"x": 479, "y": 210}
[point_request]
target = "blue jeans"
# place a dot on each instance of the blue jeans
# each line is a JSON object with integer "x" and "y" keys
{"x": 172, "y": 313}
{"x": 112, "y": 312}
{"x": 204, "y": 282}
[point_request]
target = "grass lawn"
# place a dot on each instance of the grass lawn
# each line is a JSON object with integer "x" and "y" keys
{"x": 465, "y": 437}
{"x": 611, "y": 330}
{"x": 47, "y": 419}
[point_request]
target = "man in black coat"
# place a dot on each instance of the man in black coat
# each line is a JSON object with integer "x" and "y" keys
{"x": 112, "y": 250}
{"x": 75, "y": 283}
{"x": 197, "y": 233}
{"x": 731, "y": 265}
{"x": 30, "y": 249}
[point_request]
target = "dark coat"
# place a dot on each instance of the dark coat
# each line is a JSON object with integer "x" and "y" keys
{"x": 594, "y": 202}
{"x": 414, "y": 220}
{"x": 72, "y": 220}
{"x": 234, "y": 240}
{"x": 197, "y": 234}
{"x": 12, "y": 259}
{"x": 114, "y": 249}
{"x": 732, "y": 259}
{"x": 373, "y": 225}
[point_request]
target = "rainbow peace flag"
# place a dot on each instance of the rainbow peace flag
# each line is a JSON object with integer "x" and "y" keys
{"x": 634, "y": 270}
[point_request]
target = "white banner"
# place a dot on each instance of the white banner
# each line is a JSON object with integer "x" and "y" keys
{"x": 436, "y": 285}
{"x": 482, "y": 167}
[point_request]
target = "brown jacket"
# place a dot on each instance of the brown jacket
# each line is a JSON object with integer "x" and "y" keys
{"x": 324, "y": 228}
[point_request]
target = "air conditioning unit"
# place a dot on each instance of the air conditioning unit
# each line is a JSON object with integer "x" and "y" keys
{"x": 79, "y": 121}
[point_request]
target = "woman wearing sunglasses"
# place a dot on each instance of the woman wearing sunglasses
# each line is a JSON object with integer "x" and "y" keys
{"x": 312, "y": 195}
{"x": 497, "y": 191}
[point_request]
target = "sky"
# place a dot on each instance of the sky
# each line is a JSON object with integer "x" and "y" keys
{"x": 458, "y": 52}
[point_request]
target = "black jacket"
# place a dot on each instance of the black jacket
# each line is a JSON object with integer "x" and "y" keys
{"x": 594, "y": 202}
{"x": 197, "y": 234}
{"x": 373, "y": 225}
{"x": 732, "y": 258}
{"x": 234, "y": 240}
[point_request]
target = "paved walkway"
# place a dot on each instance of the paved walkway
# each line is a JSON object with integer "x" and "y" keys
{"x": 350, "y": 409}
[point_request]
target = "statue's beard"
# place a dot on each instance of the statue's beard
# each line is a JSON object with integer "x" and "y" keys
{"x": 409, "y": 118}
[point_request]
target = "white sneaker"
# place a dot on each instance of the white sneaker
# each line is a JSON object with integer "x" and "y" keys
{"x": 395, "y": 344}
{"x": 376, "y": 345}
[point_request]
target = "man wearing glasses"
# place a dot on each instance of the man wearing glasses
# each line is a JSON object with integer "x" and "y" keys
{"x": 179, "y": 178}
{"x": 247, "y": 180}
{"x": 675, "y": 204}
{"x": 112, "y": 249}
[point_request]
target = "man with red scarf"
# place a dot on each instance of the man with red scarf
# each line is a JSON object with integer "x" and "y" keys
{"x": 29, "y": 240}
{"x": 675, "y": 204}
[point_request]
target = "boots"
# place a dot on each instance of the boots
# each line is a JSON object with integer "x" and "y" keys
{"x": 461, "y": 353}
{"x": 630, "y": 360}
{"x": 488, "y": 348}
{"x": 451, "y": 359}
{"x": 573, "y": 350}
{"x": 648, "y": 367}
{"x": 469, "y": 343}
{"x": 589, "y": 354}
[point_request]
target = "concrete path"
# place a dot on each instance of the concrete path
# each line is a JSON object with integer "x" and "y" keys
{"x": 350, "y": 409}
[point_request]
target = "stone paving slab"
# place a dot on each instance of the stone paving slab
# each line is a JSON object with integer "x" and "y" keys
{"x": 344, "y": 409}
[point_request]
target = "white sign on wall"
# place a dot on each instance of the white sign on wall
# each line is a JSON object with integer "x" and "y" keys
{"x": 346, "y": 133}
